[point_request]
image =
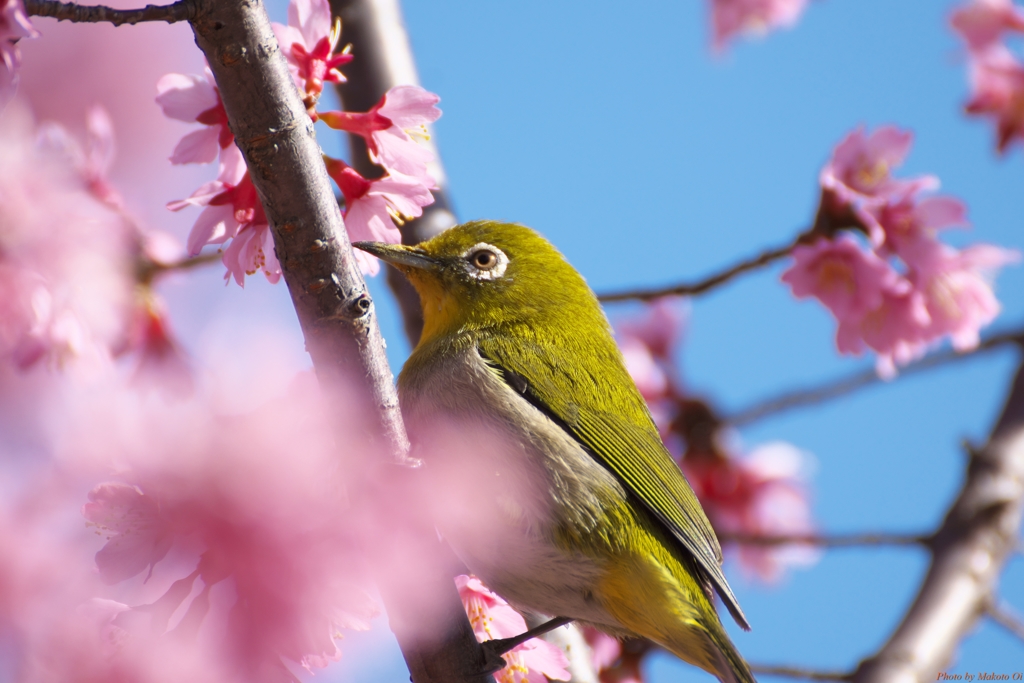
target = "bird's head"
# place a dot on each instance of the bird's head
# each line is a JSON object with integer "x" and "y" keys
{"x": 486, "y": 274}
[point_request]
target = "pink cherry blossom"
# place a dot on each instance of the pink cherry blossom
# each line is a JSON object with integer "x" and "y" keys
{"x": 371, "y": 204}
{"x": 897, "y": 330}
{"x": 729, "y": 18}
{"x": 308, "y": 43}
{"x": 403, "y": 110}
{"x": 648, "y": 344}
{"x": 906, "y": 222}
{"x": 981, "y": 23}
{"x": 762, "y": 494}
{"x": 233, "y": 211}
{"x": 195, "y": 99}
{"x": 845, "y": 277}
{"x": 957, "y": 290}
{"x": 535, "y": 661}
{"x": 997, "y": 92}
{"x": 861, "y": 165}
{"x": 14, "y": 25}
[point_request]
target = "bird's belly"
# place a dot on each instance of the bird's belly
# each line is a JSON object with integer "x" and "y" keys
{"x": 516, "y": 496}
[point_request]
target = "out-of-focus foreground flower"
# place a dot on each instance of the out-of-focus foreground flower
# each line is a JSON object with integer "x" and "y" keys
{"x": 14, "y": 25}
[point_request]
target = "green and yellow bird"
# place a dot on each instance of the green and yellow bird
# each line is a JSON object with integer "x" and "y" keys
{"x": 552, "y": 483}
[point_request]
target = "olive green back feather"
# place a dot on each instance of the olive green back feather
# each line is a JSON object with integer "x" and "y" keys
{"x": 544, "y": 324}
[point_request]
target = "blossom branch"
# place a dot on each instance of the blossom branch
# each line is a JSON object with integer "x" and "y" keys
{"x": 797, "y": 672}
{"x": 763, "y": 259}
{"x": 377, "y": 33}
{"x": 149, "y": 269}
{"x": 847, "y": 385}
{"x": 71, "y": 11}
{"x": 275, "y": 135}
{"x": 968, "y": 552}
{"x": 832, "y": 541}
{"x": 1005, "y": 618}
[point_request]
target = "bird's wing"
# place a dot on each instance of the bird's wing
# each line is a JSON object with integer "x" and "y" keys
{"x": 620, "y": 434}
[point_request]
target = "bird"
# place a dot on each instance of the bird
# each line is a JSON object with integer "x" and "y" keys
{"x": 550, "y": 479}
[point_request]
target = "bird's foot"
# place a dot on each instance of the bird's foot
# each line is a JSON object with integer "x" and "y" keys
{"x": 494, "y": 649}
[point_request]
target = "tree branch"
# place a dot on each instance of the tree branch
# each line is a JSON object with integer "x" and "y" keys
{"x": 1005, "y": 618}
{"x": 700, "y": 286}
{"x": 968, "y": 552}
{"x": 71, "y": 11}
{"x": 846, "y": 385}
{"x": 832, "y": 541}
{"x": 336, "y": 313}
{"x": 797, "y": 672}
{"x": 384, "y": 59}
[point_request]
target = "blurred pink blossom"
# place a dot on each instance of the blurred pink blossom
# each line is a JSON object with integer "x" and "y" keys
{"x": 981, "y": 23}
{"x": 308, "y": 43}
{"x": 93, "y": 159}
{"x": 648, "y": 344}
{"x": 762, "y": 494}
{"x": 607, "y": 658}
{"x": 957, "y": 289}
{"x": 404, "y": 110}
{"x": 14, "y": 25}
{"x": 195, "y": 99}
{"x": 255, "y": 561}
{"x": 897, "y": 330}
{"x": 233, "y": 211}
{"x": 67, "y": 259}
{"x": 907, "y": 223}
{"x": 370, "y": 206}
{"x": 997, "y": 92}
{"x": 534, "y": 661}
{"x": 730, "y": 18}
{"x": 161, "y": 362}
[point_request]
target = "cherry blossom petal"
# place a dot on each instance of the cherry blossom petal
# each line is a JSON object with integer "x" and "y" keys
{"x": 185, "y": 97}
{"x": 198, "y": 147}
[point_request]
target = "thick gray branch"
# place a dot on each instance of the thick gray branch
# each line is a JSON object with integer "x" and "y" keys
{"x": 275, "y": 135}
{"x": 969, "y": 550}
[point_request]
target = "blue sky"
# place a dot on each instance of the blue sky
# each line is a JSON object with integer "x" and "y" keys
{"x": 647, "y": 159}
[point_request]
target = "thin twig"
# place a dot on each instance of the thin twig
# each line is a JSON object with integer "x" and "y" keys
{"x": 71, "y": 11}
{"x": 1002, "y": 615}
{"x": 149, "y": 269}
{"x": 831, "y": 541}
{"x": 797, "y": 672}
{"x": 701, "y": 286}
{"x": 846, "y": 385}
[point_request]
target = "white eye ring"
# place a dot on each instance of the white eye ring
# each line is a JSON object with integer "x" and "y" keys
{"x": 492, "y": 272}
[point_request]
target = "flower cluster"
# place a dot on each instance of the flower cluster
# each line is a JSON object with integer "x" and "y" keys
{"x": 996, "y": 74}
{"x": 231, "y": 206}
{"x": 535, "y": 661}
{"x": 937, "y": 291}
{"x": 14, "y": 25}
{"x": 244, "y": 553}
{"x": 763, "y": 493}
{"x": 730, "y": 18}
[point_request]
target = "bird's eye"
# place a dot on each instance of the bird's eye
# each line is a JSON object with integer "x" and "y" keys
{"x": 484, "y": 259}
{"x": 485, "y": 262}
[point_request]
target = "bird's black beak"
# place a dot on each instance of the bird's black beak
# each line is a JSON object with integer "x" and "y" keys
{"x": 399, "y": 255}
